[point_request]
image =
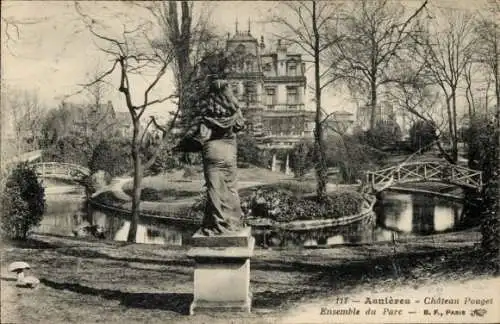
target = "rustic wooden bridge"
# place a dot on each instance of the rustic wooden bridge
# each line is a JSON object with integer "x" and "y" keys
{"x": 424, "y": 171}
{"x": 58, "y": 170}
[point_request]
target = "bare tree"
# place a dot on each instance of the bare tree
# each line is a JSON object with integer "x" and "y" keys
{"x": 310, "y": 25}
{"x": 422, "y": 101}
{"x": 191, "y": 39}
{"x": 377, "y": 35}
{"x": 13, "y": 26}
{"x": 25, "y": 112}
{"x": 487, "y": 31}
{"x": 444, "y": 58}
{"x": 132, "y": 53}
{"x": 100, "y": 118}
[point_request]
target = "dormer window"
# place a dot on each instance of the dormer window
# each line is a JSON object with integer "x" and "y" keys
{"x": 240, "y": 49}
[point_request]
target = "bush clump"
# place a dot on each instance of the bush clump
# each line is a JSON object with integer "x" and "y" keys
{"x": 289, "y": 201}
{"x": 483, "y": 154}
{"x": 386, "y": 133}
{"x": 302, "y": 158}
{"x": 422, "y": 134}
{"x": 352, "y": 156}
{"x": 285, "y": 206}
{"x": 23, "y": 202}
{"x": 111, "y": 156}
{"x": 249, "y": 153}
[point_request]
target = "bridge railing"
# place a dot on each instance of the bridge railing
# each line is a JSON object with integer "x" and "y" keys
{"x": 465, "y": 176}
{"x": 425, "y": 171}
{"x": 69, "y": 170}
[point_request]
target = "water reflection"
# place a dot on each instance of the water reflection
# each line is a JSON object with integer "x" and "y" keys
{"x": 63, "y": 216}
{"x": 397, "y": 215}
{"x": 418, "y": 214}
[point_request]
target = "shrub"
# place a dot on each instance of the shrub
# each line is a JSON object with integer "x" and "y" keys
{"x": 164, "y": 161}
{"x": 353, "y": 157}
{"x": 301, "y": 158}
{"x": 422, "y": 134}
{"x": 484, "y": 150}
{"x": 151, "y": 194}
{"x": 385, "y": 134}
{"x": 111, "y": 156}
{"x": 249, "y": 153}
{"x": 23, "y": 202}
{"x": 244, "y": 165}
{"x": 67, "y": 149}
{"x": 189, "y": 172}
{"x": 285, "y": 206}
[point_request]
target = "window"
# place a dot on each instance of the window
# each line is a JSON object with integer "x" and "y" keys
{"x": 250, "y": 92}
{"x": 240, "y": 49}
{"x": 249, "y": 66}
{"x": 270, "y": 97}
{"x": 292, "y": 96}
{"x": 292, "y": 68}
{"x": 235, "y": 89}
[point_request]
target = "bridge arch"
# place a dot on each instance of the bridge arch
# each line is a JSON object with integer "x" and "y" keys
{"x": 65, "y": 171}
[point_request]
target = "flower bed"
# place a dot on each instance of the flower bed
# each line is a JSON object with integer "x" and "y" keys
{"x": 289, "y": 206}
{"x": 166, "y": 195}
{"x": 284, "y": 205}
{"x": 288, "y": 202}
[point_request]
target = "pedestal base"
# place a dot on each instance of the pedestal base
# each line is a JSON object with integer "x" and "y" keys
{"x": 222, "y": 273}
{"x": 204, "y": 306}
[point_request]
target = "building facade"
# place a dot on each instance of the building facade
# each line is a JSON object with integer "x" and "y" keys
{"x": 271, "y": 88}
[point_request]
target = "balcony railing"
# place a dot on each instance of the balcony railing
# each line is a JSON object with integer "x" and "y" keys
{"x": 285, "y": 107}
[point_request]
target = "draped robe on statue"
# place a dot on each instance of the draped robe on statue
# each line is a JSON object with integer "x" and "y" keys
{"x": 215, "y": 131}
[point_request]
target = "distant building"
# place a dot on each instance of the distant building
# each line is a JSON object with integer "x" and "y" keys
{"x": 340, "y": 122}
{"x": 385, "y": 111}
{"x": 271, "y": 88}
{"x": 105, "y": 118}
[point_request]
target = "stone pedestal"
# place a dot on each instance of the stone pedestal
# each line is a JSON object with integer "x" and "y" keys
{"x": 222, "y": 272}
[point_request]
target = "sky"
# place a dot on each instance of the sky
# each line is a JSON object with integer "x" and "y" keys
{"x": 53, "y": 53}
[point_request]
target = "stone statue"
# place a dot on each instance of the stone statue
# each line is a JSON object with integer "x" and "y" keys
{"x": 214, "y": 132}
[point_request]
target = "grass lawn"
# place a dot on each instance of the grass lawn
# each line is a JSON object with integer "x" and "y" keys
{"x": 115, "y": 282}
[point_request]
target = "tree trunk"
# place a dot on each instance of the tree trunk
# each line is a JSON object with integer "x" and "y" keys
{"x": 497, "y": 94}
{"x": 373, "y": 103}
{"x": 450, "y": 128}
{"x": 136, "y": 195}
{"x": 454, "y": 137}
{"x": 320, "y": 165}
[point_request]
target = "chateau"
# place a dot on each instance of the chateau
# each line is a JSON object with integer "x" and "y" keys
{"x": 270, "y": 85}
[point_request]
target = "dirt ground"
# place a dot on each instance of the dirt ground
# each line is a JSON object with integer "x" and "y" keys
{"x": 112, "y": 282}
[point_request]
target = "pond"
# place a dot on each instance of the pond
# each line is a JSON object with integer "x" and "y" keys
{"x": 397, "y": 215}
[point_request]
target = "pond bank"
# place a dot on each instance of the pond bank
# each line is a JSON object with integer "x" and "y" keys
{"x": 90, "y": 281}
{"x": 115, "y": 198}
